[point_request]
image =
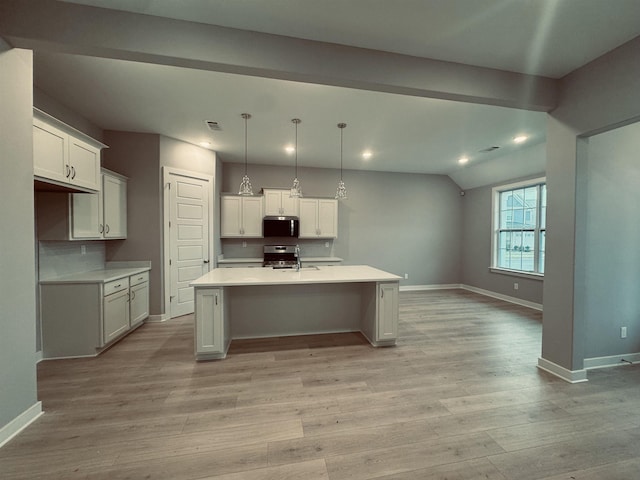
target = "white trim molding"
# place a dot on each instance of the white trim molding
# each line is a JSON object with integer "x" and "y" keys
{"x": 611, "y": 361}
{"x": 163, "y": 317}
{"x": 22, "y": 421}
{"x": 571, "y": 376}
{"x": 500, "y": 296}
{"x": 419, "y": 288}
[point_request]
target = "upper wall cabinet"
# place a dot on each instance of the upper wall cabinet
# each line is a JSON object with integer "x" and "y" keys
{"x": 101, "y": 215}
{"x": 279, "y": 202}
{"x": 63, "y": 156}
{"x": 85, "y": 216}
{"x": 241, "y": 216}
{"x": 318, "y": 218}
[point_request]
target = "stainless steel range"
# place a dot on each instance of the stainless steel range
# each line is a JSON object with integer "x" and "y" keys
{"x": 281, "y": 256}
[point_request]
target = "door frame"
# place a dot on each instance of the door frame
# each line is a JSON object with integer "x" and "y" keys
{"x": 166, "y": 237}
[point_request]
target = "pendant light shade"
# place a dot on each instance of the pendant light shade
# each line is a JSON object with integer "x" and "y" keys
{"x": 296, "y": 191}
{"x": 341, "y": 191}
{"x": 245, "y": 185}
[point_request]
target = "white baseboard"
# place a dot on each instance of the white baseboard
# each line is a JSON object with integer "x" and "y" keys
{"x": 163, "y": 317}
{"x": 571, "y": 376}
{"x": 500, "y": 296}
{"x": 418, "y": 288}
{"x": 22, "y": 421}
{"x": 611, "y": 361}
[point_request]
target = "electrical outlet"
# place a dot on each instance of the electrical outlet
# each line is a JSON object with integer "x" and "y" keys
{"x": 515, "y": 286}
{"x": 623, "y": 332}
{"x": 83, "y": 249}
{"x": 244, "y": 244}
{"x": 406, "y": 276}
{"x": 326, "y": 244}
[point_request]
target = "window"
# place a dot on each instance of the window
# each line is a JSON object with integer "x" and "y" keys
{"x": 519, "y": 226}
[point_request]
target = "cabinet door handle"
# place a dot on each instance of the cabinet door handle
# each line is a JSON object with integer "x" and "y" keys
{"x": 216, "y": 299}
{"x": 73, "y": 173}
{"x": 117, "y": 286}
{"x": 381, "y": 293}
{"x": 101, "y": 229}
{"x": 133, "y": 294}
{"x": 68, "y": 171}
{"x": 206, "y": 261}
{"x": 106, "y": 228}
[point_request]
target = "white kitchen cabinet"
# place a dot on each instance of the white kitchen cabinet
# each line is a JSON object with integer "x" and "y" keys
{"x": 138, "y": 298}
{"x": 241, "y": 216}
{"x": 280, "y": 203}
{"x": 387, "y": 321}
{"x": 82, "y": 315}
{"x": 85, "y": 216}
{"x": 318, "y": 218}
{"x": 212, "y": 330}
{"x": 116, "y": 310}
{"x": 63, "y": 156}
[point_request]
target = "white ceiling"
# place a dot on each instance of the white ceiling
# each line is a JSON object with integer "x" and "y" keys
{"x": 405, "y": 134}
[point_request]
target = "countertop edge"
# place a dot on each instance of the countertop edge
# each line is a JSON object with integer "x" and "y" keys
{"x": 249, "y": 277}
{"x": 96, "y": 276}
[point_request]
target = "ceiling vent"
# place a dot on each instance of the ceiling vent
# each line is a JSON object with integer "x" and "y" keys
{"x": 489, "y": 149}
{"x": 213, "y": 126}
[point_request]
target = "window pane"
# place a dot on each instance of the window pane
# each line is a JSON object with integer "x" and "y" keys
{"x": 528, "y": 249}
{"x": 504, "y": 249}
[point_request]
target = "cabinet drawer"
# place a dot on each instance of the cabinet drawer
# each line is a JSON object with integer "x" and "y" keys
{"x": 139, "y": 278}
{"x": 115, "y": 286}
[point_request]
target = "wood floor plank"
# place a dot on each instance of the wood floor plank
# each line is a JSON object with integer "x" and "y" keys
{"x": 312, "y": 470}
{"x": 415, "y": 456}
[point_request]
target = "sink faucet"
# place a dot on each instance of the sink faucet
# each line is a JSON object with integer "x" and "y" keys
{"x": 297, "y": 255}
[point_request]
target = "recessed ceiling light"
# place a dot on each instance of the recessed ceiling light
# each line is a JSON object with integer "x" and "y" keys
{"x": 289, "y": 149}
{"x": 367, "y": 154}
{"x": 463, "y": 160}
{"x": 520, "y": 139}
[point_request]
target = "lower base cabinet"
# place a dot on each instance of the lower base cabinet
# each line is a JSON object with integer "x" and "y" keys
{"x": 138, "y": 298}
{"x": 81, "y": 319}
{"x": 212, "y": 329}
{"x": 387, "y": 322}
{"x": 115, "y": 320}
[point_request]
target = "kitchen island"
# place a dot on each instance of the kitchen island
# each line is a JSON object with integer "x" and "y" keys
{"x": 265, "y": 302}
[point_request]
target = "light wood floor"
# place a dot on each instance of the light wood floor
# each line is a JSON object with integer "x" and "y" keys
{"x": 460, "y": 397}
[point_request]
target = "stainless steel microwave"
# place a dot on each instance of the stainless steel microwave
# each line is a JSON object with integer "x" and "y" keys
{"x": 280, "y": 227}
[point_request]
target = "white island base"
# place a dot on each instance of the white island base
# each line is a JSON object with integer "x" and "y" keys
{"x": 262, "y": 302}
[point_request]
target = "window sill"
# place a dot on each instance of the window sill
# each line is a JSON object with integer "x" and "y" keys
{"x": 516, "y": 273}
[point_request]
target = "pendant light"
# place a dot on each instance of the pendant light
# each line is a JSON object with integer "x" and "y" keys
{"x": 296, "y": 191}
{"x": 245, "y": 185}
{"x": 341, "y": 191}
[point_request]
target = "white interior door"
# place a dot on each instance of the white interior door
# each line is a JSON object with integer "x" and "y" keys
{"x": 189, "y": 238}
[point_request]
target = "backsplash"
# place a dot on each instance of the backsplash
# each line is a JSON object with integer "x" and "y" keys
{"x": 64, "y": 258}
{"x": 252, "y": 247}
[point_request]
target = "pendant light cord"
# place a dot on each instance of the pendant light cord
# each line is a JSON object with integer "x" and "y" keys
{"x": 296, "y": 176}
{"x": 246, "y": 117}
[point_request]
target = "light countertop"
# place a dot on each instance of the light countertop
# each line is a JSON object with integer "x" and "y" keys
{"x": 98, "y": 276}
{"x": 228, "y": 277}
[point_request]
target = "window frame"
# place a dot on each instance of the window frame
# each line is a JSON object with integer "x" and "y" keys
{"x": 495, "y": 227}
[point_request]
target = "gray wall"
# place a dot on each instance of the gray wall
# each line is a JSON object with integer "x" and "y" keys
{"x": 476, "y": 251}
{"x": 597, "y": 97}
{"x": 17, "y": 246}
{"x": 402, "y": 223}
{"x": 611, "y": 265}
{"x": 136, "y": 155}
